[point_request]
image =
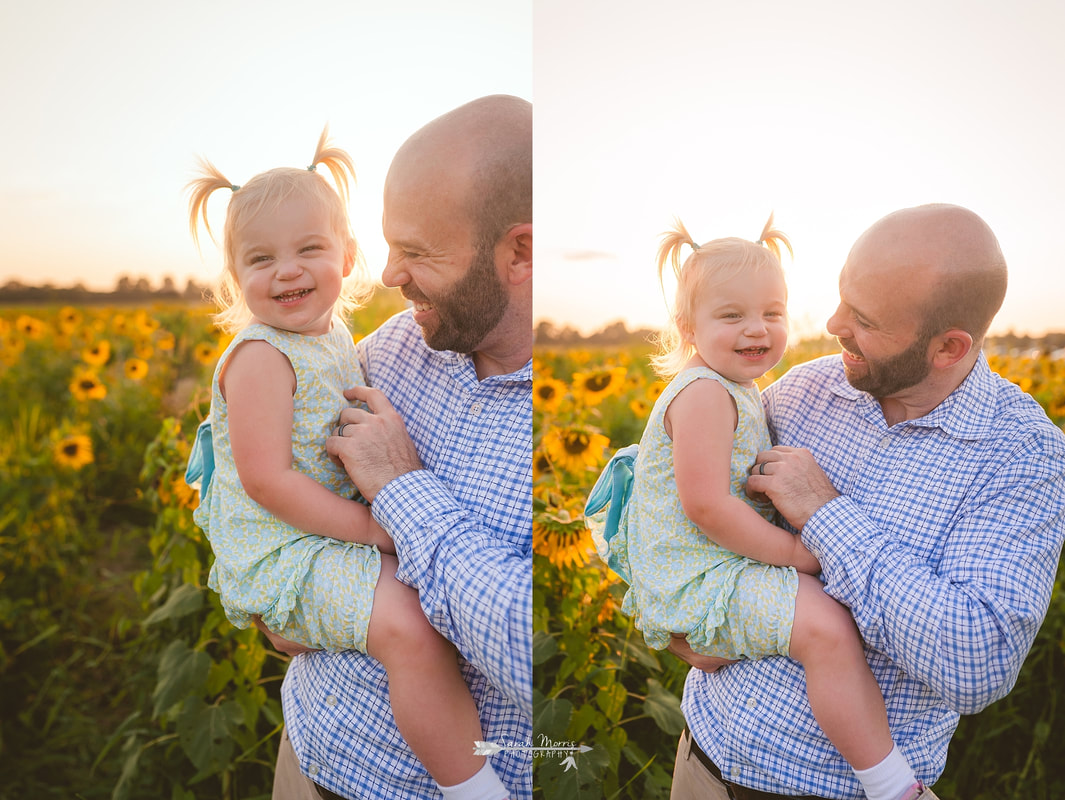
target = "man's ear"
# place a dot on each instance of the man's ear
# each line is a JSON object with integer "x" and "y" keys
{"x": 515, "y": 253}
{"x": 951, "y": 347}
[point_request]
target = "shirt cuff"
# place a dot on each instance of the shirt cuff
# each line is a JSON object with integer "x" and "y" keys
{"x": 416, "y": 509}
{"x": 837, "y": 527}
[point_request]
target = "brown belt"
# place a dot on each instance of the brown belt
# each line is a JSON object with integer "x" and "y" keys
{"x": 735, "y": 791}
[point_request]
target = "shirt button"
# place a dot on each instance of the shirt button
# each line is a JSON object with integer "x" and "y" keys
{"x": 312, "y": 770}
{"x": 331, "y": 700}
{"x": 752, "y": 703}
{"x": 735, "y": 772}
{"x": 476, "y": 409}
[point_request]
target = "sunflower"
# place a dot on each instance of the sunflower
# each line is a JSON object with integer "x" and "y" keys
{"x": 655, "y": 389}
{"x": 548, "y": 394}
{"x": 145, "y": 324}
{"x": 641, "y": 408}
{"x": 97, "y": 354}
{"x": 69, "y": 319}
{"x": 74, "y": 451}
{"x": 574, "y": 448}
{"x": 541, "y": 465}
{"x": 205, "y": 353}
{"x": 166, "y": 341}
{"x": 121, "y": 325}
{"x": 30, "y": 327}
{"x": 11, "y": 347}
{"x": 136, "y": 368}
{"x": 562, "y": 537}
{"x": 86, "y": 386}
{"x": 142, "y": 348}
{"x": 592, "y": 387}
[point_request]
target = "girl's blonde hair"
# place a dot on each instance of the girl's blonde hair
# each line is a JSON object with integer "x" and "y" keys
{"x": 708, "y": 266}
{"x": 265, "y": 192}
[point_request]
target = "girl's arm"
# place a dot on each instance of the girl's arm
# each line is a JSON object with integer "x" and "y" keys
{"x": 701, "y": 421}
{"x": 258, "y": 384}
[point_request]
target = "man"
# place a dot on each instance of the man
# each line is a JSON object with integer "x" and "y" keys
{"x": 933, "y": 493}
{"x": 444, "y": 455}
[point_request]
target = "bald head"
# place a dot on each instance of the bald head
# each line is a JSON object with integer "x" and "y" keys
{"x": 483, "y": 150}
{"x": 954, "y": 254}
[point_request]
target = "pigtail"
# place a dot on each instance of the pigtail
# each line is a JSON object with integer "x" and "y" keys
{"x": 337, "y": 161}
{"x": 201, "y": 188}
{"x": 772, "y": 239}
{"x": 669, "y": 247}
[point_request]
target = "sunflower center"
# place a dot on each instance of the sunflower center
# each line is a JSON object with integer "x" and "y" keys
{"x": 546, "y": 392}
{"x": 598, "y": 382}
{"x": 70, "y": 449}
{"x": 576, "y": 443}
{"x": 87, "y": 384}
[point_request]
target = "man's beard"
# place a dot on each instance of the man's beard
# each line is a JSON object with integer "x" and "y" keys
{"x": 889, "y": 376}
{"x": 470, "y": 309}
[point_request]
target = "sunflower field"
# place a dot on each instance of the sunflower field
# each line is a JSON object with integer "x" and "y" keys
{"x": 119, "y": 675}
{"x": 599, "y": 688}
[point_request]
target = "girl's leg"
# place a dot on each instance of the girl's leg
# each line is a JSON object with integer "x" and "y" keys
{"x": 430, "y": 701}
{"x": 844, "y": 695}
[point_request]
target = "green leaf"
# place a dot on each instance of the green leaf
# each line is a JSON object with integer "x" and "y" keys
{"x": 551, "y": 717}
{"x": 184, "y": 600}
{"x": 611, "y": 700}
{"x": 544, "y": 646}
{"x": 182, "y": 671}
{"x": 205, "y": 733}
{"x": 663, "y": 707}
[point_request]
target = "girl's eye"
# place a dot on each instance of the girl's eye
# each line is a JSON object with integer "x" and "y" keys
{"x": 310, "y": 247}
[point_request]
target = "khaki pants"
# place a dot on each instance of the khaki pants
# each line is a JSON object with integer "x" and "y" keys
{"x": 289, "y": 782}
{"x": 691, "y": 781}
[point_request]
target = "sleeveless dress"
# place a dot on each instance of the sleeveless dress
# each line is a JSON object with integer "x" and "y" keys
{"x": 310, "y": 589}
{"x": 682, "y": 582}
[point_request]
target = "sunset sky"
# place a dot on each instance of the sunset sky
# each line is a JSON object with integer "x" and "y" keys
{"x": 831, "y": 114}
{"x": 107, "y": 104}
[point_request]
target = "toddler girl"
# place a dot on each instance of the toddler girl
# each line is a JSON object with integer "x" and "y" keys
{"x": 706, "y": 562}
{"x": 291, "y": 544}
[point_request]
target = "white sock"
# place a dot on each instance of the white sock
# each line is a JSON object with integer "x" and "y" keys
{"x": 484, "y": 785}
{"x": 889, "y": 779}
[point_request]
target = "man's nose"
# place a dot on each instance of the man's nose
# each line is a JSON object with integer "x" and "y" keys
{"x": 394, "y": 274}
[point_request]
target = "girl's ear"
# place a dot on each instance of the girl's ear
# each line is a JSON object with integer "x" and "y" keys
{"x": 350, "y": 249}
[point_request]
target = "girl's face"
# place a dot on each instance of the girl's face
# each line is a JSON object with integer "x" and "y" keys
{"x": 741, "y": 326}
{"x": 290, "y": 265}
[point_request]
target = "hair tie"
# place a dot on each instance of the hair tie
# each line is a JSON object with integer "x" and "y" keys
{"x": 694, "y": 246}
{"x": 760, "y": 242}
{"x": 312, "y": 168}
{"x": 235, "y": 186}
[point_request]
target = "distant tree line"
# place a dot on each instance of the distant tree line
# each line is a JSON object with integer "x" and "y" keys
{"x": 616, "y": 334}
{"x": 126, "y": 290}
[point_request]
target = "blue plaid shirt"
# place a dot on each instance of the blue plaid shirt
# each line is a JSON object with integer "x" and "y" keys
{"x": 463, "y": 531}
{"x": 944, "y": 545}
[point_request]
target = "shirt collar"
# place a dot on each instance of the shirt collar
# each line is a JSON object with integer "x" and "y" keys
{"x": 966, "y": 413}
{"x": 462, "y": 368}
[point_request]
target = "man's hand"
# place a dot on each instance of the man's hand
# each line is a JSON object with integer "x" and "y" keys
{"x": 281, "y": 645}
{"x": 373, "y": 445}
{"x": 678, "y": 646}
{"x": 790, "y": 477}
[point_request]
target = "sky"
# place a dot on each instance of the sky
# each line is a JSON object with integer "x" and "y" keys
{"x": 108, "y": 104}
{"x": 828, "y": 114}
